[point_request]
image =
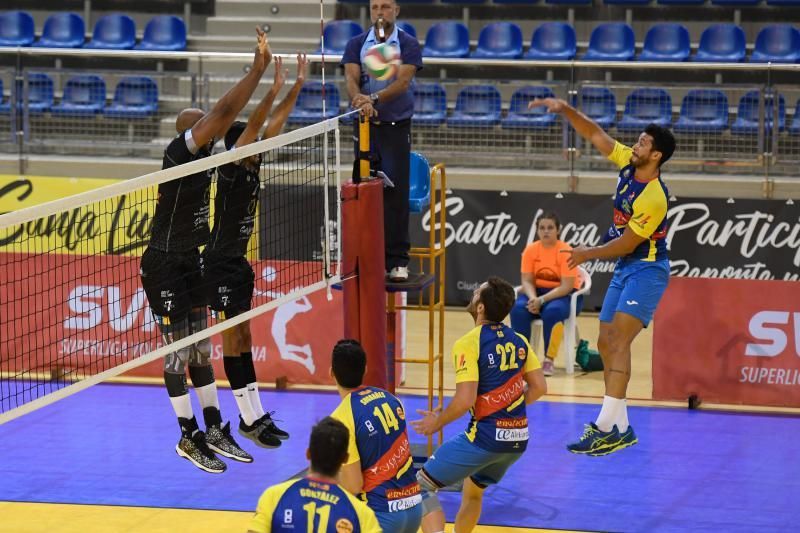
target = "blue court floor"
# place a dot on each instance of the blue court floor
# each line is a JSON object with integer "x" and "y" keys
{"x": 691, "y": 471}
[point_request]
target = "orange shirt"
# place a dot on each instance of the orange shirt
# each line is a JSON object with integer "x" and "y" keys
{"x": 548, "y": 265}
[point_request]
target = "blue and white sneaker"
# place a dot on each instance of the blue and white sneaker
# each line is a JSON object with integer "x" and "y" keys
{"x": 595, "y": 442}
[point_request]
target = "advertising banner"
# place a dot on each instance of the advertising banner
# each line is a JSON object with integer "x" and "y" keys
{"x": 708, "y": 238}
{"x": 728, "y": 341}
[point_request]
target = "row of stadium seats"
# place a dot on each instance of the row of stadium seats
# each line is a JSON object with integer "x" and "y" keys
{"x": 111, "y": 32}
{"x": 480, "y": 106}
{"x": 85, "y": 95}
{"x": 735, "y": 3}
{"x": 611, "y": 41}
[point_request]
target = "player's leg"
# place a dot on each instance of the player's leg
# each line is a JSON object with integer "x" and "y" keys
{"x": 496, "y": 466}
{"x": 257, "y": 430}
{"x": 169, "y": 303}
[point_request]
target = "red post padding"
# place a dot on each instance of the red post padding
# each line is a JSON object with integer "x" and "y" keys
{"x": 365, "y": 293}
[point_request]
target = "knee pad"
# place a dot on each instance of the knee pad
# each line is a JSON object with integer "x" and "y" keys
{"x": 201, "y": 353}
{"x": 430, "y": 503}
{"x": 175, "y": 362}
{"x": 426, "y": 482}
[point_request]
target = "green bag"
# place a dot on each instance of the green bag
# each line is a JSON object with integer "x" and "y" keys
{"x": 589, "y": 360}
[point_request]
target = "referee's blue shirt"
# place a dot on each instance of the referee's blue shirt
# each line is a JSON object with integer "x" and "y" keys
{"x": 402, "y": 107}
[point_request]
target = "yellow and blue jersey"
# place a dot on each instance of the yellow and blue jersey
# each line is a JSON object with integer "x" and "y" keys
{"x": 378, "y": 438}
{"x": 640, "y": 207}
{"x": 307, "y": 504}
{"x": 496, "y": 357}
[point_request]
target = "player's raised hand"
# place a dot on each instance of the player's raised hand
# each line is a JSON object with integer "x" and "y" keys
{"x": 263, "y": 52}
{"x": 553, "y": 105}
{"x": 302, "y": 68}
{"x": 280, "y": 74}
{"x": 577, "y": 256}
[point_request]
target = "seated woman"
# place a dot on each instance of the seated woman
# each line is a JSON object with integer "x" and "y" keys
{"x": 547, "y": 283}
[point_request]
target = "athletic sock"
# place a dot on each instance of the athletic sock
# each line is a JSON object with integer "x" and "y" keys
{"x": 609, "y": 413}
{"x": 252, "y": 384}
{"x": 622, "y": 417}
{"x": 182, "y": 405}
{"x": 242, "y": 397}
{"x": 237, "y": 377}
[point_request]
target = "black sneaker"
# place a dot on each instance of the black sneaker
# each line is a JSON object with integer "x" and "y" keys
{"x": 196, "y": 450}
{"x": 269, "y": 424}
{"x": 259, "y": 434}
{"x": 219, "y": 439}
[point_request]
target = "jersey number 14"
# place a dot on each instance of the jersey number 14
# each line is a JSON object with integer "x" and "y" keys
{"x": 386, "y": 416}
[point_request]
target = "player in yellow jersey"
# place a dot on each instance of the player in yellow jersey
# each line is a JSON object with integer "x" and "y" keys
{"x": 316, "y": 503}
{"x": 637, "y": 237}
{"x": 497, "y": 375}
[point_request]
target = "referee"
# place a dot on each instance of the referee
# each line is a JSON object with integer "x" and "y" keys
{"x": 389, "y": 104}
{"x": 171, "y": 271}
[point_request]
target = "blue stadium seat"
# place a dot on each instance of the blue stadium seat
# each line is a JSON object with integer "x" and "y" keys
{"x": 721, "y": 43}
{"x": 570, "y": 2}
{"x": 407, "y": 27}
{"x": 40, "y": 94}
{"x": 552, "y": 41}
{"x": 462, "y": 2}
{"x": 735, "y": 2}
{"x": 84, "y": 96}
{"x": 666, "y": 42}
{"x": 681, "y": 2}
{"x": 795, "y": 127}
{"x": 447, "y": 39}
{"x": 164, "y": 32}
{"x": 419, "y": 190}
{"x": 778, "y": 43}
{"x": 430, "y": 104}
{"x": 499, "y": 40}
{"x": 645, "y": 106}
{"x": 611, "y": 41}
{"x": 62, "y": 30}
{"x": 4, "y": 107}
{"x": 746, "y": 122}
{"x": 134, "y": 97}
{"x": 521, "y": 118}
{"x": 626, "y": 2}
{"x": 477, "y": 106}
{"x": 308, "y": 109}
{"x": 783, "y": 2}
{"x": 703, "y": 111}
{"x": 529, "y": 2}
{"x": 16, "y": 28}
{"x": 114, "y": 32}
{"x": 599, "y": 104}
{"x": 336, "y": 34}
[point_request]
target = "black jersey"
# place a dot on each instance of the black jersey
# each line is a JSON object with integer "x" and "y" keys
{"x": 235, "y": 209}
{"x": 180, "y": 222}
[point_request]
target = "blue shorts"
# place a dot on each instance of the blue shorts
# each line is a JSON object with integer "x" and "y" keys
{"x": 635, "y": 289}
{"x": 458, "y": 459}
{"x": 406, "y": 521}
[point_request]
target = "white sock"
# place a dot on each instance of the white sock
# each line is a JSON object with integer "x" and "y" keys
{"x": 609, "y": 413}
{"x": 242, "y": 398}
{"x": 182, "y": 405}
{"x": 207, "y": 395}
{"x": 622, "y": 417}
{"x": 255, "y": 399}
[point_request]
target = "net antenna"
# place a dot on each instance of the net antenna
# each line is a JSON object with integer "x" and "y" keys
{"x": 72, "y": 310}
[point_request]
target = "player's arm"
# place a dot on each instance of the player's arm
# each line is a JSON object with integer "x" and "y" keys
{"x": 259, "y": 115}
{"x": 281, "y": 113}
{"x": 216, "y": 122}
{"x": 537, "y": 385}
{"x": 619, "y": 247}
{"x": 463, "y": 400}
{"x": 351, "y": 479}
{"x": 262, "y": 520}
{"x": 586, "y": 127}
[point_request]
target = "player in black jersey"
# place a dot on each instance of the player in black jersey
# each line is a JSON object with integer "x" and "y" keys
{"x": 171, "y": 270}
{"x": 228, "y": 275}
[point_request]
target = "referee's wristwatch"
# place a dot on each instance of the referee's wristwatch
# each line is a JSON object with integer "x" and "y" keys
{"x": 373, "y": 98}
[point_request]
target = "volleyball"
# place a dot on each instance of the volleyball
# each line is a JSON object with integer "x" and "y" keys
{"x": 382, "y": 61}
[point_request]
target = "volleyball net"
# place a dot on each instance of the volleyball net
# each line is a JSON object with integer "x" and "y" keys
{"x": 72, "y": 308}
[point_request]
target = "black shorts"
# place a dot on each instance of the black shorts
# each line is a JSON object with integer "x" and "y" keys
{"x": 229, "y": 283}
{"x": 173, "y": 282}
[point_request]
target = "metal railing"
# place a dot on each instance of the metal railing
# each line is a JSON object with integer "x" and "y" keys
{"x": 479, "y": 120}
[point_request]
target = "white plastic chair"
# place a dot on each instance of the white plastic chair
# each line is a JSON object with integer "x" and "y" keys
{"x": 568, "y": 346}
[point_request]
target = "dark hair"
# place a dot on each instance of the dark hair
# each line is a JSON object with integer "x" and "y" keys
{"x": 233, "y": 134}
{"x": 663, "y": 141}
{"x": 327, "y": 447}
{"x": 349, "y": 362}
{"x": 549, "y": 215}
{"x": 497, "y": 298}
